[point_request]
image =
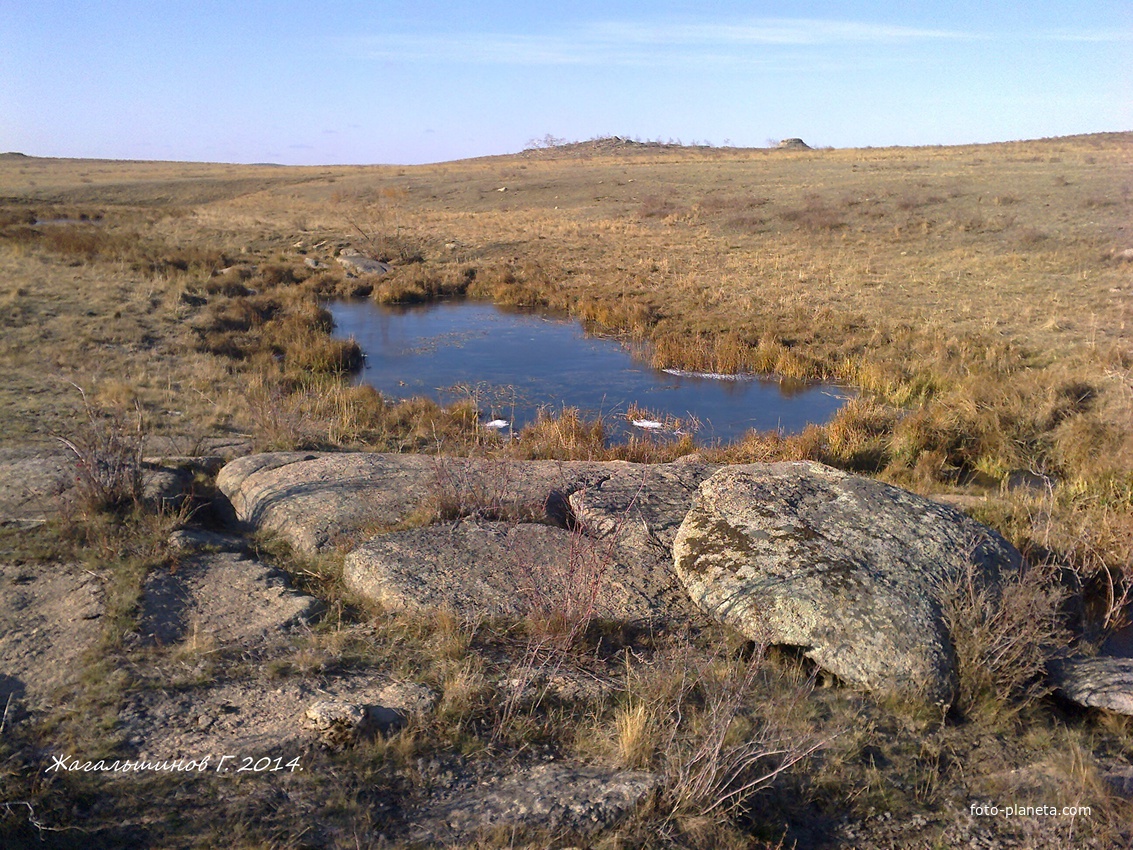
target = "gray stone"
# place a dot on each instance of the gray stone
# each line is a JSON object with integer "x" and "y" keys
{"x": 32, "y": 483}
{"x": 336, "y": 723}
{"x": 511, "y": 569}
{"x": 637, "y": 510}
{"x": 318, "y": 501}
{"x": 644, "y": 504}
{"x": 549, "y": 798}
{"x": 201, "y": 539}
{"x": 166, "y": 488}
{"x": 1120, "y": 782}
{"x": 356, "y": 264}
{"x": 850, "y": 569}
{"x": 1099, "y": 682}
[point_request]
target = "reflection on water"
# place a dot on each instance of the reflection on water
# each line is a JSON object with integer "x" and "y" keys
{"x": 512, "y": 364}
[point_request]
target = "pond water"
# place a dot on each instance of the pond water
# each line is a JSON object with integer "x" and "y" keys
{"x": 514, "y": 363}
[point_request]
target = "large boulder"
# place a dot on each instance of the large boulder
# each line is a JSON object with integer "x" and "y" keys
{"x": 853, "y": 571}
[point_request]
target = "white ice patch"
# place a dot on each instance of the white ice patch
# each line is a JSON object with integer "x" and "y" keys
{"x": 714, "y": 376}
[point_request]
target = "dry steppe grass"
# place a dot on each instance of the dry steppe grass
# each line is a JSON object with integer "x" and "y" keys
{"x": 975, "y": 296}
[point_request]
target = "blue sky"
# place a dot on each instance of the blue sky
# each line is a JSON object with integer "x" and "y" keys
{"x": 397, "y": 82}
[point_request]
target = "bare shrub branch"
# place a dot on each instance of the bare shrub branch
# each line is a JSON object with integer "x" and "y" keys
{"x": 718, "y": 753}
{"x": 108, "y": 456}
{"x": 1003, "y": 635}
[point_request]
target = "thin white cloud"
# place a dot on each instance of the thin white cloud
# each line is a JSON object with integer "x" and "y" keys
{"x": 1086, "y": 36}
{"x": 630, "y": 43}
{"x": 750, "y": 43}
{"x": 771, "y": 31}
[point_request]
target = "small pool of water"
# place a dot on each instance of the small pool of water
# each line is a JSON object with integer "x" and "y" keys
{"x": 512, "y": 364}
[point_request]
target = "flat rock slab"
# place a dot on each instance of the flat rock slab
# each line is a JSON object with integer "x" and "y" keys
{"x": 643, "y": 504}
{"x": 50, "y": 615}
{"x": 32, "y": 482}
{"x": 221, "y": 597}
{"x": 511, "y": 569}
{"x": 850, "y": 569}
{"x": 252, "y": 717}
{"x": 36, "y": 484}
{"x": 320, "y": 501}
{"x": 559, "y": 799}
{"x": 1100, "y": 682}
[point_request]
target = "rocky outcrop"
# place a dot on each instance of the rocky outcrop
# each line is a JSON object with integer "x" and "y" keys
{"x": 1099, "y": 682}
{"x": 319, "y": 501}
{"x": 852, "y": 570}
{"x": 51, "y": 616}
{"x": 554, "y": 531}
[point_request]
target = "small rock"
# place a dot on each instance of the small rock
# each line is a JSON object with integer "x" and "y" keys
{"x": 199, "y": 539}
{"x": 337, "y": 723}
{"x": 166, "y": 488}
{"x": 1099, "y": 682}
{"x": 356, "y": 264}
{"x": 1121, "y": 781}
{"x": 550, "y": 797}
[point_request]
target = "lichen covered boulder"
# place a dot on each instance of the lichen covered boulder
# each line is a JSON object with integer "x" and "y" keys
{"x": 851, "y": 570}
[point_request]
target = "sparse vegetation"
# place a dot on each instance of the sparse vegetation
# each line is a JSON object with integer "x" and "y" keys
{"x": 977, "y": 297}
